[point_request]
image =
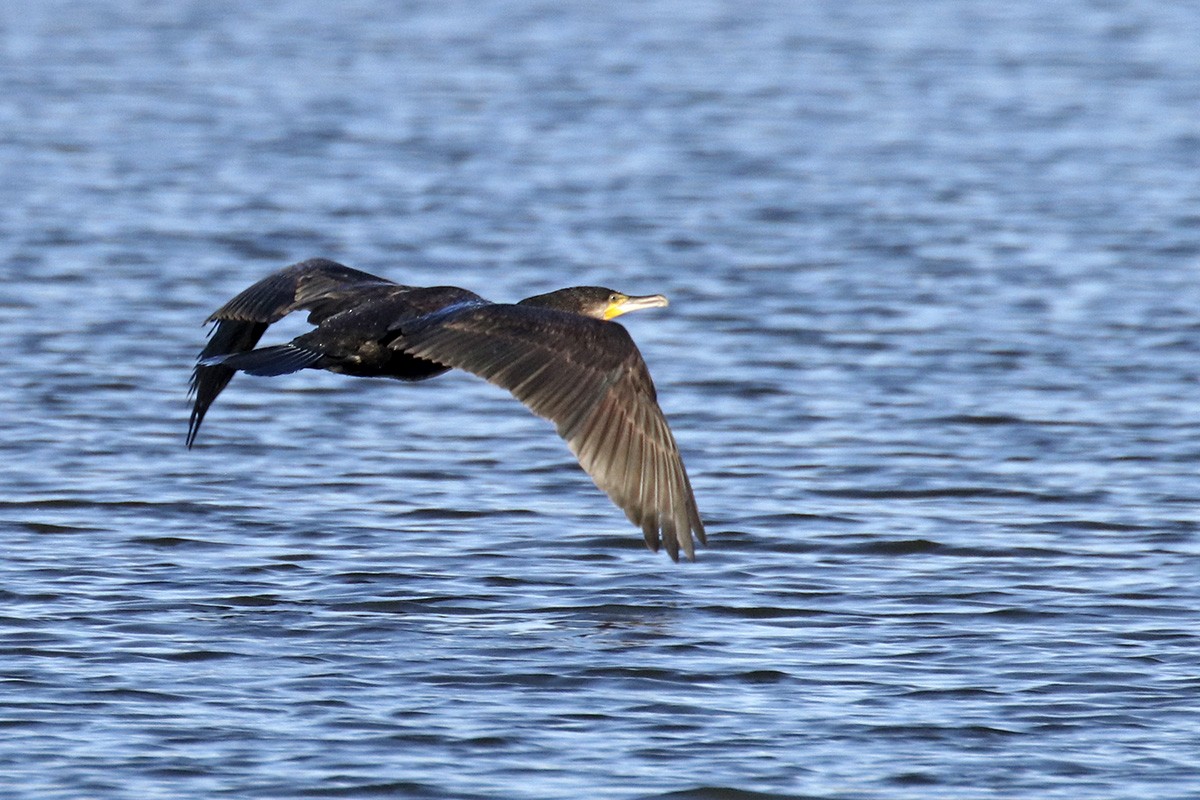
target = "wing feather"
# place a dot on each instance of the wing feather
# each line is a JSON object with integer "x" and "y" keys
{"x": 303, "y": 285}
{"x": 589, "y": 379}
{"x": 318, "y": 284}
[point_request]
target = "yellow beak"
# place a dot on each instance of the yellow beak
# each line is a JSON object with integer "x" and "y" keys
{"x": 624, "y": 304}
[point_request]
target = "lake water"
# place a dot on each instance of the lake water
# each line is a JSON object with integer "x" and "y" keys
{"x": 932, "y": 356}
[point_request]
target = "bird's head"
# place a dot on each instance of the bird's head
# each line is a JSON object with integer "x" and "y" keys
{"x": 594, "y": 301}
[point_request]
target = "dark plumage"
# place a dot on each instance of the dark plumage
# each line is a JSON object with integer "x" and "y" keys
{"x": 557, "y": 353}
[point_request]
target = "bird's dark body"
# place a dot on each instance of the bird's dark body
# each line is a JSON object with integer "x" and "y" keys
{"x": 358, "y": 340}
{"x": 554, "y": 352}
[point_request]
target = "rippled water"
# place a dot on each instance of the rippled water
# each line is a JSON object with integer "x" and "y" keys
{"x": 932, "y": 357}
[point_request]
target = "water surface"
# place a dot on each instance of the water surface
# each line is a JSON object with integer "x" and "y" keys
{"x": 931, "y": 357}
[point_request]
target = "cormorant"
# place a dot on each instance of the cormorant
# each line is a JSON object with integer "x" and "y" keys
{"x": 558, "y": 353}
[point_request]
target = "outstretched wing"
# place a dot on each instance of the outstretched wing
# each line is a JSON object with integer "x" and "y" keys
{"x": 587, "y": 377}
{"x": 321, "y": 286}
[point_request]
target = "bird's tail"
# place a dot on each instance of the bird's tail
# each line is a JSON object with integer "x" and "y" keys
{"x": 281, "y": 359}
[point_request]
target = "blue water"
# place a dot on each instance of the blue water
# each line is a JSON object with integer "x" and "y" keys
{"x": 933, "y": 358}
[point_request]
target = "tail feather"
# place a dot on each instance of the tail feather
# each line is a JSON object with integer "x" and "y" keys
{"x": 214, "y": 370}
{"x": 281, "y": 359}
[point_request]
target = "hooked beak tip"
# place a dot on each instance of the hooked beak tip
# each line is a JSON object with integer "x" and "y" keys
{"x": 646, "y": 301}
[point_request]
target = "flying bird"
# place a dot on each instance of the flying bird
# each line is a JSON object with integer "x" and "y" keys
{"x": 558, "y": 353}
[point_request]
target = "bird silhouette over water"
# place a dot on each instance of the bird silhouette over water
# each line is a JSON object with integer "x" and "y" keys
{"x": 558, "y": 353}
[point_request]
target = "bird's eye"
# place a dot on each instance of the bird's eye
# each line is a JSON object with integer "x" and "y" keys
{"x": 614, "y": 298}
